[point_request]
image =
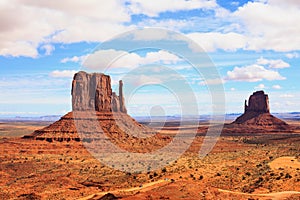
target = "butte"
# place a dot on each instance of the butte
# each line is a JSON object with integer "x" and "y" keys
{"x": 257, "y": 118}
{"x": 97, "y": 111}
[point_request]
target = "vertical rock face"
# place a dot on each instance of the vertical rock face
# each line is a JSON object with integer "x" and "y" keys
{"x": 258, "y": 102}
{"x": 103, "y": 92}
{"x": 93, "y": 92}
{"x": 115, "y": 102}
{"x": 121, "y": 98}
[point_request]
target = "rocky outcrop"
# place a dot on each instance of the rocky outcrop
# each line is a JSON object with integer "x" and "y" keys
{"x": 92, "y": 92}
{"x": 257, "y": 116}
{"x": 97, "y": 111}
{"x": 258, "y": 102}
{"x": 115, "y": 101}
{"x": 121, "y": 98}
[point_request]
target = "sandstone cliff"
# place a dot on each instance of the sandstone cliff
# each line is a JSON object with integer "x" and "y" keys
{"x": 93, "y": 92}
{"x": 257, "y": 115}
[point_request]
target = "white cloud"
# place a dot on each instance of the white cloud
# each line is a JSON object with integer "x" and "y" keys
{"x": 213, "y": 41}
{"x": 48, "y": 49}
{"x": 76, "y": 59}
{"x": 153, "y": 8}
{"x": 232, "y": 89}
{"x": 144, "y": 80}
{"x": 277, "y": 87}
{"x": 89, "y": 9}
{"x": 253, "y": 73}
{"x": 174, "y": 24}
{"x": 261, "y": 21}
{"x": 286, "y": 96}
{"x": 120, "y": 59}
{"x": 286, "y": 3}
{"x": 17, "y": 48}
{"x": 235, "y": 3}
{"x": 254, "y": 26}
{"x": 161, "y": 56}
{"x": 275, "y": 64}
{"x": 153, "y": 34}
{"x": 292, "y": 55}
{"x": 63, "y": 73}
{"x": 27, "y": 25}
{"x": 260, "y": 86}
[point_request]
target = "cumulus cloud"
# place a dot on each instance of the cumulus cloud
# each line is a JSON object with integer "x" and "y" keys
{"x": 292, "y": 55}
{"x": 144, "y": 80}
{"x": 48, "y": 49}
{"x": 275, "y": 64}
{"x": 260, "y": 86}
{"x": 27, "y": 25}
{"x": 63, "y": 73}
{"x": 277, "y": 87}
{"x": 76, "y": 59}
{"x": 17, "y": 48}
{"x": 261, "y": 20}
{"x": 254, "y": 26}
{"x": 213, "y": 41}
{"x": 253, "y": 73}
{"x": 120, "y": 59}
{"x": 263, "y": 69}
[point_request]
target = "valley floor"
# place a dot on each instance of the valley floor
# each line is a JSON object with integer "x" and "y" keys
{"x": 239, "y": 167}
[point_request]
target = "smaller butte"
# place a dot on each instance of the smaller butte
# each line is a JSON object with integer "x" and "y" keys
{"x": 257, "y": 118}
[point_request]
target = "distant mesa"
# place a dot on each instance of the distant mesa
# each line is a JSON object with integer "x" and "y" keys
{"x": 257, "y": 115}
{"x": 96, "y": 110}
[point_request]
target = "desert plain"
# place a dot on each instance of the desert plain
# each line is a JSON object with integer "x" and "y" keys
{"x": 246, "y": 166}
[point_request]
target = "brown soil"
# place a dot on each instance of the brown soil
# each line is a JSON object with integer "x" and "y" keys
{"x": 238, "y": 167}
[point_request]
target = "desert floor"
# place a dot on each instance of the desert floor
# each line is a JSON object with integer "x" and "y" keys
{"x": 264, "y": 166}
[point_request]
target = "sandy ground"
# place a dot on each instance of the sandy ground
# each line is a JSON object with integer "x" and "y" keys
{"x": 238, "y": 167}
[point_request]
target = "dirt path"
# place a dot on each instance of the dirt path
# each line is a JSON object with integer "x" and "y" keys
{"x": 274, "y": 196}
{"x": 143, "y": 188}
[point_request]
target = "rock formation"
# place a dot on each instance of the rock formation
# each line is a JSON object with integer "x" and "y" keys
{"x": 121, "y": 98}
{"x": 93, "y": 92}
{"x": 258, "y": 104}
{"x": 97, "y": 111}
{"x": 257, "y": 116}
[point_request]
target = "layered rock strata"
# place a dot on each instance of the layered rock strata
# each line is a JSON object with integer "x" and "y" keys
{"x": 97, "y": 111}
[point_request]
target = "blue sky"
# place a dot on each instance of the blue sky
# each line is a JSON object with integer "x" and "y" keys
{"x": 254, "y": 45}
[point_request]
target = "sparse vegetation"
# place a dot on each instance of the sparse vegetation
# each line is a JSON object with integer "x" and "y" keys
{"x": 246, "y": 170}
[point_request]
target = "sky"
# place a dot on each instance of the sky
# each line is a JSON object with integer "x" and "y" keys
{"x": 253, "y": 45}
